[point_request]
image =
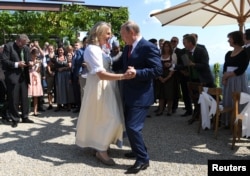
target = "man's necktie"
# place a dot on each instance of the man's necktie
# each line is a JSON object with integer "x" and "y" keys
{"x": 22, "y": 56}
{"x": 129, "y": 50}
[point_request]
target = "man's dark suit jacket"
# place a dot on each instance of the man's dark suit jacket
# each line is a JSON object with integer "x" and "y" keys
{"x": 145, "y": 58}
{"x": 201, "y": 60}
{"x": 11, "y": 54}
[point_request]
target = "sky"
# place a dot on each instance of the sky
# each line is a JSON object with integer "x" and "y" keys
{"x": 214, "y": 38}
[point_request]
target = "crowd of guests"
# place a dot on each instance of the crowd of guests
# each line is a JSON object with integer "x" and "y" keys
{"x": 28, "y": 72}
{"x": 83, "y": 77}
{"x": 191, "y": 64}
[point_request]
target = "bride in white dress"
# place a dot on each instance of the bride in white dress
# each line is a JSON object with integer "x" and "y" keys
{"x": 100, "y": 121}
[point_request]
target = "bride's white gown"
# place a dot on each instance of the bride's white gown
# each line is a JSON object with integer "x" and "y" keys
{"x": 100, "y": 120}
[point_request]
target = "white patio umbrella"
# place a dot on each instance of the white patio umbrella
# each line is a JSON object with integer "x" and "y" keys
{"x": 206, "y": 13}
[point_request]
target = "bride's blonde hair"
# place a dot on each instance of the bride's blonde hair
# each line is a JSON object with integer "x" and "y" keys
{"x": 97, "y": 30}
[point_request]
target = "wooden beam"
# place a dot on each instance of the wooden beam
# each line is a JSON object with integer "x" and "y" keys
{"x": 28, "y": 6}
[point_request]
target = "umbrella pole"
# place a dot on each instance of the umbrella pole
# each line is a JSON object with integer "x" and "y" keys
{"x": 241, "y": 27}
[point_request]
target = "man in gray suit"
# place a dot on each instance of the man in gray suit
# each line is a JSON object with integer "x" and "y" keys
{"x": 16, "y": 57}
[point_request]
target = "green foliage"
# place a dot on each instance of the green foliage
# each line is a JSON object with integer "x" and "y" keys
{"x": 42, "y": 25}
{"x": 216, "y": 71}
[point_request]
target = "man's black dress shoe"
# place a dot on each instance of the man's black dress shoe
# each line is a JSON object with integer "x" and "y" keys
{"x": 137, "y": 167}
{"x": 186, "y": 114}
{"x": 27, "y": 120}
{"x": 129, "y": 155}
{"x": 14, "y": 124}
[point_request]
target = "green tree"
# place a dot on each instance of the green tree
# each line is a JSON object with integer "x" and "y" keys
{"x": 42, "y": 25}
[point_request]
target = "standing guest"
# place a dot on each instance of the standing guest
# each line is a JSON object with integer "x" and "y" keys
{"x": 2, "y": 79}
{"x": 166, "y": 87}
{"x": 16, "y": 56}
{"x": 35, "y": 89}
{"x": 62, "y": 78}
{"x": 174, "y": 43}
{"x": 3, "y": 91}
{"x": 46, "y": 48}
{"x": 116, "y": 51}
{"x": 43, "y": 67}
{"x": 234, "y": 71}
{"x": 198, "y": 44}
{"x": 50, "y": 74}
{"x": 76, "y": 68}
{"x": 183, "y": 73}
{"x": 70, "y": 90}
{"x": 160, "y": 43}
{"x": 154, "y": 41}
{"x": 83, "y": 72}
{"x": 143, "y": 58}
{"x": 156, "y": 81}
{"x": 100, "y": 121}
{"x": 198, "y": 67}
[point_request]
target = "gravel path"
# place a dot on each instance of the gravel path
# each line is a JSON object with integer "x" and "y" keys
{"x": 47, "y": 148}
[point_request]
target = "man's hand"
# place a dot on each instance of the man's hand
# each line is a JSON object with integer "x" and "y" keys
{"x": 130, "y": 73}
{"x": 21, "y": 64}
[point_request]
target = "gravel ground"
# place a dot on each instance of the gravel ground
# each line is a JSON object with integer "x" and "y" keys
{"x": 46, "y": 148}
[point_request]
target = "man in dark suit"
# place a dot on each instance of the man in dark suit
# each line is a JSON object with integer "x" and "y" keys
{"x": 184, "y": 78}
{"x": 2, "y": 78}
{"x": 198, "y": 66}
{"x": 3, "y": 101}
{"x": 16, "y": 56}
{"x": 77, "y": 61}
{"x": 199, "y": 69}
{"x": 198, "y": 44}
{"x": 174, "y": 43}
{"x": 142, "y": 58}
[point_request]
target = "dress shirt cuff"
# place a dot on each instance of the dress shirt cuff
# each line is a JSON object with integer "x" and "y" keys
{"x": 172, "y": 67}
{"x": 16, "y": 64}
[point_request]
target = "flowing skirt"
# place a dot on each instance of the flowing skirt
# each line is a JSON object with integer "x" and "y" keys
{"x": 101, "y": 119}
{"x": 234, "y": 84}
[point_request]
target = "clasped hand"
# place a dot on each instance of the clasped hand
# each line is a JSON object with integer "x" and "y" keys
{"x": 130, "y": 73}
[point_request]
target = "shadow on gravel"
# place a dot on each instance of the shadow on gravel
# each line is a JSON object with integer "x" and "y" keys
{"x": 168, "y": 139}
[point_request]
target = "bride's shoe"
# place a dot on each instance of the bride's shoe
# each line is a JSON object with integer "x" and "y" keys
{"x": 109, "y": 162}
